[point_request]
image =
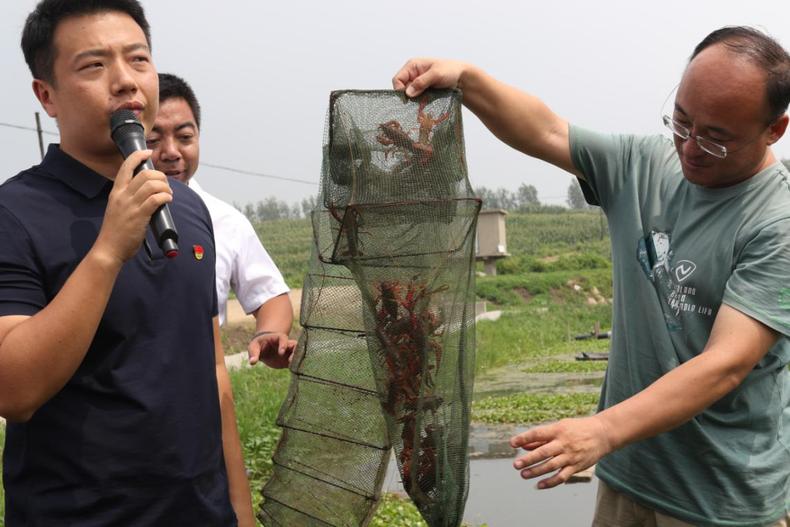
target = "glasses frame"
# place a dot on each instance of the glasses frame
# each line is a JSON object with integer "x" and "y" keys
{"x": 706, "y": 145}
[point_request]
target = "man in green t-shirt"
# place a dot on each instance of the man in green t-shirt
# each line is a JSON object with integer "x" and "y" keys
{"x": 694, "y": 421}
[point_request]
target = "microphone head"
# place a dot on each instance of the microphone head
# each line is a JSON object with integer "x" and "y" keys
{"x": 124, "y": 122}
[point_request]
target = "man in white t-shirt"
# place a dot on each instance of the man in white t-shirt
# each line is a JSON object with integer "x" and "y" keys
{"x": 242, "y": 263}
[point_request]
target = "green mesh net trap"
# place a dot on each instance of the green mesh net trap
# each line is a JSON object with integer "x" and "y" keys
{"x": 386, "y": 358}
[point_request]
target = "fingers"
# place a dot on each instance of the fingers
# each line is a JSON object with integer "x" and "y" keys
{"x": 421, "y": 83}
{"x": 564, "y": 447}
{"x": 254, "y": 351}
{"x": 417, "y": 75}
{"x": 261, "y": 345}
{"x": 149, "y": 190}
{"x": 131, "y": 203}
{"x": 274, "y": 349}
{"x": 550, "y": 465}
{"x": 539, "y": 434}
{"x": 538, "y": 455}
{"x": 126, "y": 172}
{"x": 559, "y": 478}
{"x": 562, "y": 465}
{"x": 406, "y": 74}
{"x": 283, "y": 345}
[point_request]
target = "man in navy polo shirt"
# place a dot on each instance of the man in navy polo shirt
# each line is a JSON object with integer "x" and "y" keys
{"x": 110, "y": 364}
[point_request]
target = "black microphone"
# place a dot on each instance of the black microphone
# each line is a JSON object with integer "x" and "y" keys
{"x": 129, "y": 136}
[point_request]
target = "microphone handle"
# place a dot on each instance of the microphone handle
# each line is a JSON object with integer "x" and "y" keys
{"x": 162, "y": 224}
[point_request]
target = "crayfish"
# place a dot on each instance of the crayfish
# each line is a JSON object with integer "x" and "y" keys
{"x": 392, "y": 134}
{"x": 411, "y": 332}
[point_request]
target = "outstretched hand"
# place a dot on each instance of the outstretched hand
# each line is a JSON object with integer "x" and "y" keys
{"x": 274, "y": 349}
{"x": 419, "y": 74}
{"x": 562, "y": 448}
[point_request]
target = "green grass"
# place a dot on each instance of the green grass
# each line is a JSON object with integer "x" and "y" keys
{"x": 288, "y": 242}
{"x": 258, "y": 393}
{"x": 530, "y": 237}
{"x": 533, "y": 408}
{"x": 395, "y": 511}
{"x": 525, "y": 335}
{"x": 566, "y": 366}
{"x": 544, "y": 288}
{"x": 544, "y": 234}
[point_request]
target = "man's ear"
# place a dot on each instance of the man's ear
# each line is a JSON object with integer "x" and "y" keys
{"x": 777, "y": 129}
{"x": 45, "y": 94}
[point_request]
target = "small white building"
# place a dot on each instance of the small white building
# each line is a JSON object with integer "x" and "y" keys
{"x": 491, "y": 240}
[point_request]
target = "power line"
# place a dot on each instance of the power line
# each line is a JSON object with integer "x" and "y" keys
{"x": 259, "y": 174}
{"x": 210, "y": 165}
{"x": 30, "y": 128}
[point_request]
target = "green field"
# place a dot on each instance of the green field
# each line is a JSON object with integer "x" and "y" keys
{"x": 533, "y": 236}
{"x": 557, "y": 284}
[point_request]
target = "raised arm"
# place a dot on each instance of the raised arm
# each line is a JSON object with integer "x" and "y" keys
{"x": 40, "y": 353}
{"x": 517, "y": 118}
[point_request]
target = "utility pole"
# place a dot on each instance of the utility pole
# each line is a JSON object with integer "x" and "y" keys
{"x": 40, "y": 133}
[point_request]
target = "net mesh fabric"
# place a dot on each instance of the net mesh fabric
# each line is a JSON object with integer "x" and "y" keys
{"x": 386, "y": 357}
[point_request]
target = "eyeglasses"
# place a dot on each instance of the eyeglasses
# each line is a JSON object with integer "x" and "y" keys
{"x": 714, "y": 149}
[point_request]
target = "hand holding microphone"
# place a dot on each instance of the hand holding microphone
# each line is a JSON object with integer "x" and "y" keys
{"x": 129, "y": 135}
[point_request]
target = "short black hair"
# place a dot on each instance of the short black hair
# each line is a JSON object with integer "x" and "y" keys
{"x": 764, "y": 51}
{"x": 174, "y": 87}
{"x": 38, "y": 34}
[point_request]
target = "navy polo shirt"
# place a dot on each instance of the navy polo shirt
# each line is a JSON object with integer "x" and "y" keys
{"x": 134, "y": 437}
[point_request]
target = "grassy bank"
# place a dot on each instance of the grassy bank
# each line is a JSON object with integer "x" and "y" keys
{"x": 536, "y": 236}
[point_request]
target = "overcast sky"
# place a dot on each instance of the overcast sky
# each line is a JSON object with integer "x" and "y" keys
{"x": 263, "y": 72}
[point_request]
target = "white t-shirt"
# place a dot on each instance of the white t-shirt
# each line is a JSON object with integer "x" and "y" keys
{"x": 242, "y": 263}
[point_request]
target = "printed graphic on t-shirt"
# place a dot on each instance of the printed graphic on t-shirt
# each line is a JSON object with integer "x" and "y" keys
{"x": 676, "y": 291}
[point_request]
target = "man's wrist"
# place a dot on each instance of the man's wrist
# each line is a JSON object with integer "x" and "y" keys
{"x": 467, "y": 77}
{"x": 103, "y": 260}
{"x": 262, "y": 333}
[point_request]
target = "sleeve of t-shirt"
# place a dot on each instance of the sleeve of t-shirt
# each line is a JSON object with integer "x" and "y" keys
{"x": 21, "y": 280}
{"x": 760, "y": 284}
{"x": 611, "y": 162}
{"x": 257, "y": 278}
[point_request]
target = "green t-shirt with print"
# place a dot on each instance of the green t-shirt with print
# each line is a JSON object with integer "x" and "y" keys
{"x": 679, "y": 251}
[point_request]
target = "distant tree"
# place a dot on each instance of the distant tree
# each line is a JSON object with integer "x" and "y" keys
{"x": 500, "y": 198}
{"x": 526, "y": 198}
{"x": 575, "y": 198}
{"x": 249, "y": 211}
{"x": 272, "y": 209}
{"x": 308, "y": 205}
{"x": 505, "y": 199}
{"x": 261, "y": 212}
{"x": 486, "y": 196}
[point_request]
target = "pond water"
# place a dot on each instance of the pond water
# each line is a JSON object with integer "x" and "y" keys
{"x": 499, "y": 497}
